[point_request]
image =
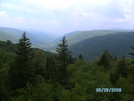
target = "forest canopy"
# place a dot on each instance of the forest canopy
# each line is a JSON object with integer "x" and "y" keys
{"x": 31, "y": 74}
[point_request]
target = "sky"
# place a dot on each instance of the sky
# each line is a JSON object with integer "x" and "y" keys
{"x": 63, "y": 16}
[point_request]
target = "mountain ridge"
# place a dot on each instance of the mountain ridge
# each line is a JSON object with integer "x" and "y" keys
{"x": 117, "y": 44}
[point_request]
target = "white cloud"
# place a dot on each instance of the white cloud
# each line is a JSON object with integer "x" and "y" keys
{"x": 9, "y": 6}
{"x": 54, "y": 3}
{"x": 19, "y": 20}
{"x": 3, "y": 14}
{"x": 33, "y": 21}
{"x": 17, "y": 7}
{"x": 69, "y": 13}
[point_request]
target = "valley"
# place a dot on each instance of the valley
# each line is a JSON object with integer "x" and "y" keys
{"x": 91, "y": 44}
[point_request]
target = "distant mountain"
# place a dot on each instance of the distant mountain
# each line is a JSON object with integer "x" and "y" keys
{"x": 12, "y": 31}
{"x": 7, "y": 36}
{"x": 41, "y": 34}
{"x": 57, "y": 40}
{"x": 67, "y": 35}
{"x": 36, "y": 41}
{"x": 88, "y": 34}
{"x": 78, "y": 36}
{"x": 117, "y": 44}
{"x": 120, "y": 29}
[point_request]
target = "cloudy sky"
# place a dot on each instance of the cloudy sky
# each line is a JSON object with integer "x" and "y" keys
{"x": 62, "y": 16}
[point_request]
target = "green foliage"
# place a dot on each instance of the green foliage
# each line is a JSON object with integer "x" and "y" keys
{"x": 80, "y": 56}
{"x": 80, "y": 36}
{"x": 51, "y": 69}
{"x": 87, "y": 78}
{"x": 80, "y": 62}
{"x": 118, "y": 44}
{"x": 63, "y": 53}
{"x": 21, "y": 68}
{"x": 3, "y": 78}
{"x": 7, "y": 46}
{"x": 71, "y": 59}
{"x": 42, "y": 90}
{"x": 105, "y": 60}
{"x": 63, "y": 61}
{"x": 35, "y": 75}
{"x": 38, "y": 62}
{"x": 24, "y": 94}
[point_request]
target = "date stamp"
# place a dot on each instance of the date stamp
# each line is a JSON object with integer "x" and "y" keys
{"x": 108, "y": 90}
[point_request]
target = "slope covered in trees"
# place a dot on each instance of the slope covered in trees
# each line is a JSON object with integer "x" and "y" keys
{"x": 117, "y": 44}
{"x": 67, "y": 35}
{"x": 78, "y": 36}
{"x": 41, "y": 34}
{"x": 39, "y": 77}
{"x": 88, "y": 34}
{"x": 6, "y": 36}
{"x": 36, "y": 41}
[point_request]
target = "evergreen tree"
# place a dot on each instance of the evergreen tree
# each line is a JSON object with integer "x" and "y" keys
{"x": 105, "y": 60}
{"x": 80, "y": 56}
{"x": 71, "y": 60}
{"x": 20, "y": 72}
{"x": 63, "y": 60}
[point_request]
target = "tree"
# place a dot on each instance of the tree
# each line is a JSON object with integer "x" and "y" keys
{"x": 130, "y": 53}
{"x": 9, "y": 42}
{"x": 105, "y": 60}
{"x": 121, "y": 68}
{"x": 71, "y": 60}
{"x": 38, "y": 63}
{"x": 63, "y": 60}
{"x": 3, "y": 78}
{"x": 131, "y": 74}
{"x": 80, "y": 56}
{"x": 51, "y": 69}
{"x": 20, "y": 72}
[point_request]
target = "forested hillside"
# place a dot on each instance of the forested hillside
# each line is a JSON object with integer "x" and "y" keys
{"x": 6, "y": 36}
{"x": 29, "y": 74}
{"x": 14, "y": 34}
{"x": 41, "y": 34}
{"x": 117, "y": 44}
{"x": 67, "y": 35}
{"x": 78, "y": 36}
{"x": 88, "y": 34}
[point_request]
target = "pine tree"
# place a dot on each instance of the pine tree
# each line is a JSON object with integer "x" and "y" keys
{"x": 80, "y": 56}
{"x": 63, "y": 60}
{"x": 105, "y": 60}
{"x": 20, "y": 72}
